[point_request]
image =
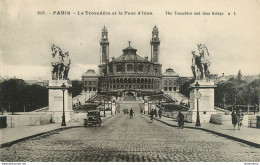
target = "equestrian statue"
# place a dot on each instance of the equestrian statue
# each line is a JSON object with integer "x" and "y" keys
{"x": 200, "y": 63}
{"x": 60, "y": 63}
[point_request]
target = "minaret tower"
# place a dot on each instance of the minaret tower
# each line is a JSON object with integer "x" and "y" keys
{"x": 104, "y": 46}
{"x": 155, "y": 45}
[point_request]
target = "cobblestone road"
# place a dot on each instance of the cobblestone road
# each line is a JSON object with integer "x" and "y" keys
{"x": 125, "y": 139}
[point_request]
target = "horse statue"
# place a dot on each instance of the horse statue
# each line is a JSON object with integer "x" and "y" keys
{"x": 66, "y": 63}
{"x": 200, "y": 63}
{"x": 59, "y": 64}
{"x": 56, "y": 51}
{"x": 204, "y": 56}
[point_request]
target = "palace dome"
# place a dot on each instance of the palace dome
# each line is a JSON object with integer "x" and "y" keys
{"x": 90, "y": 73}
{"x": 170, "y": 72}
{"x": 129, "y": 54}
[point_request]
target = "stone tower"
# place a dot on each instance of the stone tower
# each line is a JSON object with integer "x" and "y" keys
{"x": 155, "y": 45}
{"x": 104, "y": 47}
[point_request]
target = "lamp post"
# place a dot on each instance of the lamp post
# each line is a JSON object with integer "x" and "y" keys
{"x": 148, "y": 107}
{"x": 197, "y": 96}
{"x": 85, "y": 95}
{"x": 110, "y": 106}
{"x": 144, "y": 107}
{"x": 63, "y": 123}
{"x": 104, "y": 108}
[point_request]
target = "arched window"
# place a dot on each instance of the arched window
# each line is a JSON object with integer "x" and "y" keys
{"x": 125, "y": 80}
{"x": 142, "y": 80}
{"x": 119, "y": 68}
{"x": 121, "y": 80}
{"x": 156, "y": 70}
{"x": 130, "y": 67}
{"x": 111, "y": 68}
{"x": 140, "y": 68}
{"x": 138, "y": 80}
{"x": 145, "y": 80}
{"x": 149, "y": 80}
{"x": 117, "y": 80}
{"x": 165, "y": 82}
{"x": 148, "y": 68}
{"x": 170, "y": 82}
{"x": 129, "y": 80}
{"x": 134, "y": 80}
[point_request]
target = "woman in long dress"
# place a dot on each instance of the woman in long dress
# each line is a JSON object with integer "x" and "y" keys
{"x": 234, "y": 119}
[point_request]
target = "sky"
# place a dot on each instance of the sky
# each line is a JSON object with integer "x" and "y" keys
{"x": 25, "y": 44}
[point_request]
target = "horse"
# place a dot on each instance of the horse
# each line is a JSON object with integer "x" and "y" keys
{"x": 57, "y": 64}
{"x": 204, "y": 59}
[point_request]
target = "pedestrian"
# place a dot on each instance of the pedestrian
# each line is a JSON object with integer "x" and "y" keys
{"x": 180, "y": 120}
{"x": 160, "y": 113}
{"x": 131, "y": 113}
{"x": 240, "y": 116}
{"x": 155, "y": 112}
{"x": 151, "y": 115}
{"x": 234, "y": 119}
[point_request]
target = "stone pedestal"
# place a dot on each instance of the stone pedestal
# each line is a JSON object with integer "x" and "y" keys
{"x": 56, "y": 100}
{"x": 206, "y": 102}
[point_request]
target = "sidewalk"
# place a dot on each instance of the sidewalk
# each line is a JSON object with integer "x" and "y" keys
{"x": 10, "y": 136}
{"x": 247, "y": 135}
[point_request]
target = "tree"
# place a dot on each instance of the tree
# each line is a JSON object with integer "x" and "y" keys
{"x": 185, "y": 88}
{"x": 35, "y": 96}
{"x": 255, "y": 91}
{"x": 13, "y": 94}
{"x": 236, "y": 92}
{"x": 239, "y": 76}
{"x": 76, "y": 87}
{"x": 17, "y": 95}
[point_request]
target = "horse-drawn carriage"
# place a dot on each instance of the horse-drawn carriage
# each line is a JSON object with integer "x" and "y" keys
{"x": 93, "y": 118}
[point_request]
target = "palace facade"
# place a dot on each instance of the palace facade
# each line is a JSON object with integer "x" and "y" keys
{"x": 130, "y": 72}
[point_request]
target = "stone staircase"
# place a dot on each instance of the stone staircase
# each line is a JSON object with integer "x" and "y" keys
{"x": 135, "y": 105}
{"x": 178, "y": 97}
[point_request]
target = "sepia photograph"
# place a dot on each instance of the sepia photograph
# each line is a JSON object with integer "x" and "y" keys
{"x": 103, "y": 81}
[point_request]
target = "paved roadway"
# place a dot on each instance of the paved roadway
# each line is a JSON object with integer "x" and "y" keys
{"x": 125, "y": 139}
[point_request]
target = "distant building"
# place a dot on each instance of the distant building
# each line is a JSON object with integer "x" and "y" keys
{"x": 223, "y": 78}
{"x": 37, "y": 82}
{"x": 170, "y": 81}
{"x": 90, "y": 81}
{"x": 183, "y": 80}
{"x": 131, "y": 74}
